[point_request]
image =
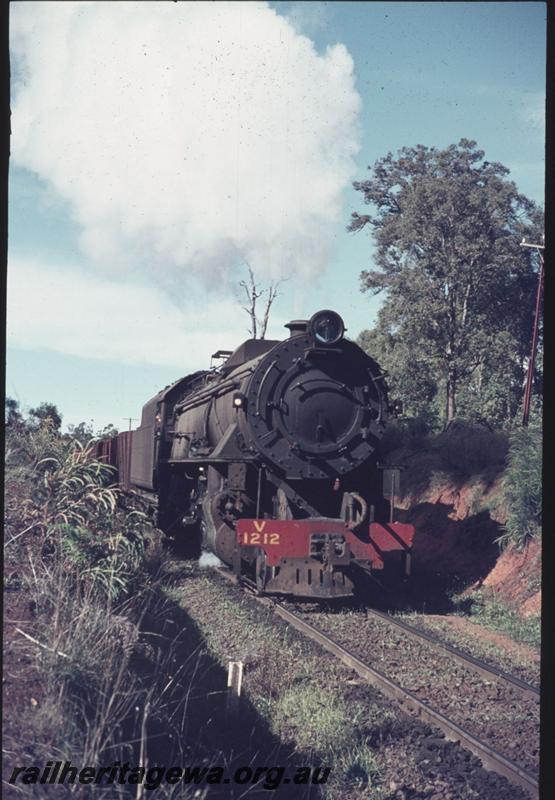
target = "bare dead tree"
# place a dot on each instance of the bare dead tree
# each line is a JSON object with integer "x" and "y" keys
{"x": 252, "y": 296}
{"x": 253, "y": 293}
{"x": 272, "y": 294}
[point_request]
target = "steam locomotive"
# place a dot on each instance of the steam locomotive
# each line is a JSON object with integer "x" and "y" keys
{"x": 271, "y": 459}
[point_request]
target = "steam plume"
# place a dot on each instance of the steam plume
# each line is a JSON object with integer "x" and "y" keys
{"x": 186, "y": 135}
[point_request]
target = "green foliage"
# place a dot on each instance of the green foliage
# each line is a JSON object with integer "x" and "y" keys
{"x": 93, "y": 699}
{"x": 469, "y": 449}
{"x": 13, "y": 416}
{"x": 358, "y": 765}
{"x": 59, "y": 491}
{"x": 108, "y": 562}
{"x": 108, "y": 432}
{"x": 522, "y": 486}
{"x": 71, "y": 489}
{"x": 315, "y": 722}
{"x": 409, "y": 433}
{"x": 462, "y": 450}
{"x": 456, "y": 323}
{"x": 84, "y": 432}
{"x": 409, "y": 375}
{"x": 91, "y": 568}
{"x": 46, "y": 413}
{"x": 490, "y": 612}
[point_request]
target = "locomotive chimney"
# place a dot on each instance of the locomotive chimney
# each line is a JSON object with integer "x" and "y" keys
{"x": 296, "y": 327}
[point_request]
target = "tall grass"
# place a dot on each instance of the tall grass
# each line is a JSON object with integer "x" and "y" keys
{"x": 60, "y": 492}
{"x": 91, "y": 566}
{"x": 522, "y": 487}
{"x": 488, "y": 610}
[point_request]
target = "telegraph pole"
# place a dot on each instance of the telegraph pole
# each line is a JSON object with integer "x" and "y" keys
{"x": 130, "y": 420}
{"x": 530, "y": 374}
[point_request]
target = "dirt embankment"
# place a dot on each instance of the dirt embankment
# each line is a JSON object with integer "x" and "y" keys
{"x": 516, "y": 578}
{"x": 458, "y": 521}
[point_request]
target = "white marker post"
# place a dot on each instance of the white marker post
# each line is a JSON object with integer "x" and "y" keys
{"x": 234, "y": 683}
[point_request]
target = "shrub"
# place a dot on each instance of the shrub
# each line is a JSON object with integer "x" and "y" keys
{"x": 90, "y": 569}
{"x": 411, "y": 433}
{"x": 522, "y": 487}
{"x": 469, "y": 449}
{"x": 62, "y": 493}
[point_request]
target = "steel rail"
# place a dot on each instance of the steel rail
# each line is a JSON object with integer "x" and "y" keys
{"x": 489, "y": 757}
{"x": 487, "y": 670}
{"x": 408, "y": 701}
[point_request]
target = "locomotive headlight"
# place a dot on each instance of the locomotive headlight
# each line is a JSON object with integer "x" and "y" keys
{"x": 327, "y": 327}
{"x": 239, "y": 400}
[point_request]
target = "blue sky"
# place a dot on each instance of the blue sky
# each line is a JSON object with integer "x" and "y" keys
{"x": 134, "y": 201}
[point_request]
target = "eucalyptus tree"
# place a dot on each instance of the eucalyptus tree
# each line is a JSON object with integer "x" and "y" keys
{"x": 46, "y": 414}
{"x": 447, "y": 225}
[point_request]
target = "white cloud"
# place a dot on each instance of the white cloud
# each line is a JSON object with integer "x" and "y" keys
{"x": 185, "y": 133}
{"x": 76, "y": 314}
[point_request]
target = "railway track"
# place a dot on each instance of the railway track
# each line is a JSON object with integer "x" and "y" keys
{"x": 467, "y": 660}
{"x": 490, "y": 757}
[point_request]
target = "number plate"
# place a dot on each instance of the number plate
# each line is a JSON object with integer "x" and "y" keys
{"x": 292, "y": 538}
{"x": 259, "y": 537}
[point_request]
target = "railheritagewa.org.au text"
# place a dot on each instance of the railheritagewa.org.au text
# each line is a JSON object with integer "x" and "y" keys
{"x": 66, "y": 773}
